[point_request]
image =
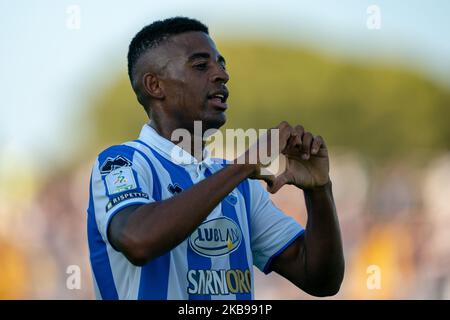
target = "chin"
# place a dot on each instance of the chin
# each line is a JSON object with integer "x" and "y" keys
{"x": 214, "y": 123}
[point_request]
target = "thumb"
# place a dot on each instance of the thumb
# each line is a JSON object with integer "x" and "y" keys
{"x": 267, "y": 178}
{"x": 277, "y": 183}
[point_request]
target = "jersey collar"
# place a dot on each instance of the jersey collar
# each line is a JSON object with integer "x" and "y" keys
{"x": 170, "y": 150}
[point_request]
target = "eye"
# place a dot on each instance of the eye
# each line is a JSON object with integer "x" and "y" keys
{"x": 201, "y": 66}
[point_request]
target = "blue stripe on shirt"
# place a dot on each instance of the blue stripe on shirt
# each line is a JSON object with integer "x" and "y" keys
{"x": 181, "y": 177}
{"x": 154, "y": 281}
{"x": 244, "y": 188}
{"x": 100, "y": 264}
{"x": 238, "y": 258}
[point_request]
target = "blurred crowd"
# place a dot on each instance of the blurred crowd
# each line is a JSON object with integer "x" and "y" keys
{"x": 394, "y": 220}
{"x": 394, "y": 223}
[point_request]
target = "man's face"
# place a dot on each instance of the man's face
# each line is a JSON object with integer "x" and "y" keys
{"x": 193, "y": 80}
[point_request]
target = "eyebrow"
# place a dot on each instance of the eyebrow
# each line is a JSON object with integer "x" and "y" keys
{"x": 204, "y": 55}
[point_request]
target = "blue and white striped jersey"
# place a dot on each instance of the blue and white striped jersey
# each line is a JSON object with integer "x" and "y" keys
{"x": 215, "y": 261}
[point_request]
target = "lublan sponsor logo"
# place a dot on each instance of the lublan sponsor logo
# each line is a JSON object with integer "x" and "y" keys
{"x": 219, "y": 282}
{"x": 216, "y": 237}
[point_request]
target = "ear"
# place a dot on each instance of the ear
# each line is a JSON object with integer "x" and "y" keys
{"x": 152, "y": 86}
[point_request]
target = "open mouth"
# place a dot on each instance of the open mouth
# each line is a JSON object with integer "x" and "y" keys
{"x": 219, "y": 99}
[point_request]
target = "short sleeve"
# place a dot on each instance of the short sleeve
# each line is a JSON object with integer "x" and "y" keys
{"x": 121, "y": 177}
{"x": 272, "y": 231}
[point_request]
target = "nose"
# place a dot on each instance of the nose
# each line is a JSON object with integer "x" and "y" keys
{"x": 220, "y": 74}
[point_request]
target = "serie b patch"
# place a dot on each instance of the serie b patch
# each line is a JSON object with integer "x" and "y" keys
{"x": 120, "y": 180}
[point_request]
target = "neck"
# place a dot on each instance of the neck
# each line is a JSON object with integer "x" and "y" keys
{"x": 194, "y": 145}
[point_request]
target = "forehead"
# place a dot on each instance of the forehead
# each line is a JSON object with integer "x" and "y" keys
{"x": 186, "y": 44}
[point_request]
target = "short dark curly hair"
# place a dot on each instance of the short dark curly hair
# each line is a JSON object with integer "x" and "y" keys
{"x": 153, "y": 34}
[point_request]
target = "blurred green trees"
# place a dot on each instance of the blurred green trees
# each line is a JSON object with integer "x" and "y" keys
{"x": 381, "y": 111}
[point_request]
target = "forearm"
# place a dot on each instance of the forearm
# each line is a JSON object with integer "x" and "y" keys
{"x": 322, "y": 252}
{"x": 158, "y": 227}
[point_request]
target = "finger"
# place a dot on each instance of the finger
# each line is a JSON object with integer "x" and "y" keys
{"x": 296, "y": 140}
{"x": 276, "y": 185}
{"x": 269, "y": 179}
{"x": 323, "y": 145}
{"x": 299, "y": 130}
{"x": 292, "y": 143}
{"x": 268, "y": 138}
{"x": 316, "y": 144}
{"x": 306, "y": 145}
{"x": 282, "y": 124}
{"x": 285, "y": 131}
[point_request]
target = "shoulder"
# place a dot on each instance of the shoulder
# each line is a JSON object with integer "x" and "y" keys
{"x": 115, "y": 156}
{"x": 124, "y": 149}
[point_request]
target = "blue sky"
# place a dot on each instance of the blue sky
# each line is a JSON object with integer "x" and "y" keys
{"x": 45, "y": 66}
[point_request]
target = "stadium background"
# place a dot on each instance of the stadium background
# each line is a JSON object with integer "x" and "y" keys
{"x": 380, "y": 97}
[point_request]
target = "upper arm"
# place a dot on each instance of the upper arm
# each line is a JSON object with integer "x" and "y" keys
{"x": 279, "y": 244}
{"x": 272, "y": 231}
{"x": 290, "y": 263}
{"x": 117, "y": 225}
{"x": 120, "y": 183}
